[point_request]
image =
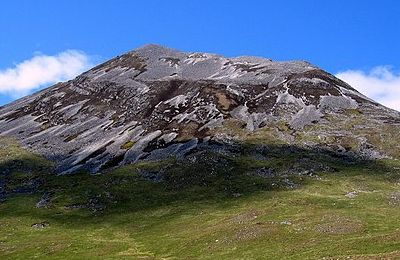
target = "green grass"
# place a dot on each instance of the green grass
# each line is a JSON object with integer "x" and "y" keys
{"x": 202, "y": 211}
{"x": 128, "y": 145}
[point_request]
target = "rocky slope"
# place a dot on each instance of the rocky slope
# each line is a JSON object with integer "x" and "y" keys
{"x": 154, "y": 102}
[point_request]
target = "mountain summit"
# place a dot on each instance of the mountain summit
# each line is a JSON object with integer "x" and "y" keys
{"x": 154, "y": 102}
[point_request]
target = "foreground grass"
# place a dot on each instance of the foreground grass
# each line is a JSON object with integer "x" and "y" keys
{"x": 352, "y": 212}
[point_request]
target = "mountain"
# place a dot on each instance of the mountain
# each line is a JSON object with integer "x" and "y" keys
{"x": 154, "y": 102}
{"x": 162, "y": 154}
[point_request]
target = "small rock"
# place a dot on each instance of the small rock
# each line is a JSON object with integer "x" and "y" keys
{"x": 265, "y": 172}
{"x": 41, "y": 225}
{"x": 394, "y": 198}
{"x": 352, "y": 194}
{"x": 236, "y": 195}
{"x": 44, "y": 202}
{"x": 290, "y": 184}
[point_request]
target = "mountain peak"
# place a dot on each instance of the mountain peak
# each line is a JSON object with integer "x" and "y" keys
{"x": 153, "y": 47}
{"x": 154, "y": 50}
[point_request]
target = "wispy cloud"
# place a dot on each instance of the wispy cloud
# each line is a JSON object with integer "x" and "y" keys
{"x": 42, "y": 70}
{"x": 380, "y": 84}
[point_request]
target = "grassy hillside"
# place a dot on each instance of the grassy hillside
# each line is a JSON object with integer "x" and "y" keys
{"x": 211, "y": 207}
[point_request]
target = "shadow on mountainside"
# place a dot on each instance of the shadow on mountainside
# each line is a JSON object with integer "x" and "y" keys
{"x": 203, "y": 176}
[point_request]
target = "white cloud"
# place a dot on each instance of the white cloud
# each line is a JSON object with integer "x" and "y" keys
{"x": 380, "y": 84}
{"x": 42, "y": 70}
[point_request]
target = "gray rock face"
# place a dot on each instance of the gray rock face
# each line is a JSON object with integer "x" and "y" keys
{"x": 155, "y": 102}
{"x": 306, "y": 116}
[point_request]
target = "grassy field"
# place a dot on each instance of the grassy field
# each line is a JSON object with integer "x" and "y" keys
{"x": 203, "y": 210}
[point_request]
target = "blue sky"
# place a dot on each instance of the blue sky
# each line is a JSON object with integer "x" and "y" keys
{"x": 358, "y": 39}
